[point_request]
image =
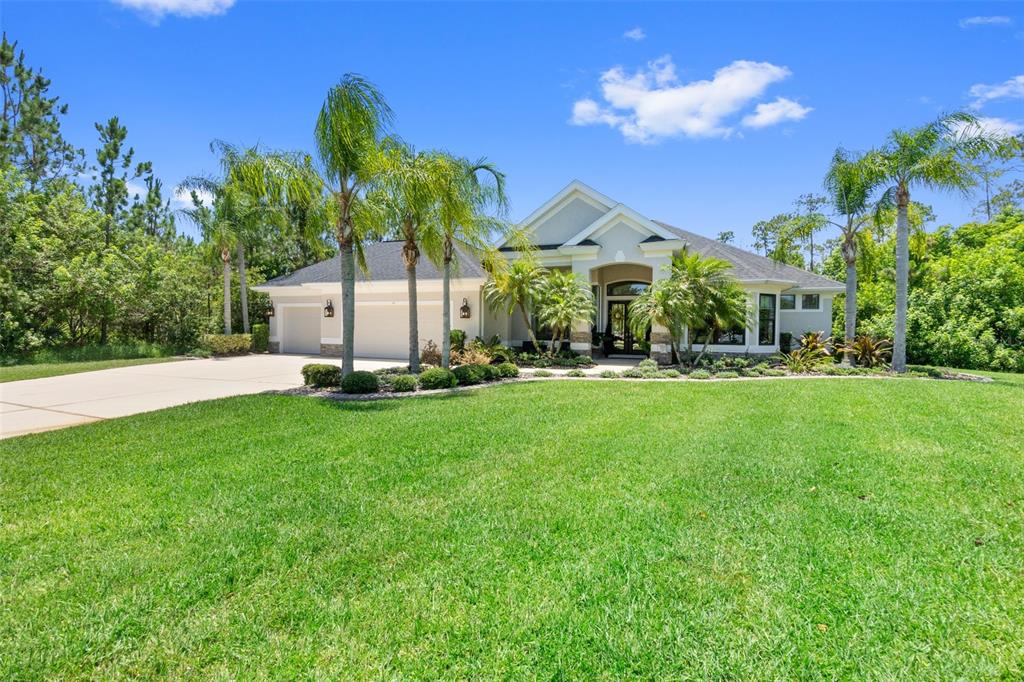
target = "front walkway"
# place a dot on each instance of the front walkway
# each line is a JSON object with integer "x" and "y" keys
{"x": 55, "y": 402}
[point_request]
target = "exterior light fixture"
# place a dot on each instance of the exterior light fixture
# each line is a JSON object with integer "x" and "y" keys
{"x": 329, "y": 309}
{"x": 270, "y": 309}
{"x": 464, "y": 310}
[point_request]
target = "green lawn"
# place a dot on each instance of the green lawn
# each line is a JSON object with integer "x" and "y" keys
{"x": 751, "y": 530}
{"x": 53, "y": 369}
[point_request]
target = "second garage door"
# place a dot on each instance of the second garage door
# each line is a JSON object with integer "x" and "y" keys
{"x": 382, "y": 329}
{"x": 301, "y": 330}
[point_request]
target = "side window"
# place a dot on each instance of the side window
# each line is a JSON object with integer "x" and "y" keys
{"x": 787, "y": 302}
{"x": 810, "y": 302}
{"x": 766, "y": 319}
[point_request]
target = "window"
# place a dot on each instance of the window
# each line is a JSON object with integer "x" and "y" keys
{"x": 766, "y": 319}
{"x": 810, "y": 302}
{"x": 737, "y": 336}
{"x": 627, "y": 288}
{"x": 787, "y": 302}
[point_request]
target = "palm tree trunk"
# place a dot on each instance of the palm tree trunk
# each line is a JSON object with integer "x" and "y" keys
{"x": 851, "y": 309}
{"x": 899, "y": 342}
{"x": 446, "y": 314}
{"x": 225, "y": 257}
{"x": 529, "y": 328}
{"x": 243, "y": 294}
{"x": 414, "y": 332}
{"x": 346, "y": 255}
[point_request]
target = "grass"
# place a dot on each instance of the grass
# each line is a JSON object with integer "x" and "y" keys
{"x": 784, "y": 529}
{"x": 53, "y": 369}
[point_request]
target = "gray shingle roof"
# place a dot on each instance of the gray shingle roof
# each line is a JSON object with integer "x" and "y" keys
{"x": 750, "y": 266}
{"x": 384, "y": 262}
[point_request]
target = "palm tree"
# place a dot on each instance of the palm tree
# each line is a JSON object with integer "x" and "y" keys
{"x": 220, "y": 233}
{"x": 562, "y": 301}
{"x": 351, "y": 122}
{"x": 849, "y": 183}
{"x": 934, "y": 156}
{"x": 517, "y": 287}
{"x": 464, "y": 214}
{"x": 715, "y": 298}
{"x": 664, "y": 303}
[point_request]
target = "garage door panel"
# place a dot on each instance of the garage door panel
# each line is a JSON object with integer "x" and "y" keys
{"x": 301, "y": 330}
{"x": 382, "y": 330}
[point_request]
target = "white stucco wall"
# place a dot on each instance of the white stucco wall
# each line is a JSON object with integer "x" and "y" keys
{"x": 799, "y": 321}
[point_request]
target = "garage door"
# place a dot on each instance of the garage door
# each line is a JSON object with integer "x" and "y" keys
{"x": 382, "y": 329}
{"x": 301, "y": 330}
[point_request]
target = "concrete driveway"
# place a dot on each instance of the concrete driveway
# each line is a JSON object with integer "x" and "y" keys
{"x": 55, "y": 402}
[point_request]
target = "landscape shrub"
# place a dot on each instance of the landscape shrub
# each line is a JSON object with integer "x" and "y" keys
{"x": 403, "y": 383}
{"x": 578, "y": 373}
{"x": 650, "y": 374}
{"x": 430, "y": 354}
{"x": 320, "y": 375}
{"x": 670, "y": 374}
{"x": 490, "y": 372}
{"x": 457, "y": 339}
{"x": 507, "y": 370}
{"x": 471, "y": 355}
{"x": 647, "y": 363}
{"x": 200, "y": 353}
{"x": 437, "y": 377}
{"x": 260, "y": 337}
{"x": 609, "y": 374}
{"x": 391, "y": 371}
{"x": 360, "y": 382}
{"x": 542, "y": 373}
{"x": 469, "y": 375}
{"x": 933, "y": 372}
{"x": 700, "y": 374}
{"x": 632, "y": 373}
{"x": 227, "y": 344}
{"x": 868, "y": 351}
{"x": 726, "y": 374}
{"x": 773, "y": 372}
{"x": 584, "y": 361}
{"x": 750, "y": 372}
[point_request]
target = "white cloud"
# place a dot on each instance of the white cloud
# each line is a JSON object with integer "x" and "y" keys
{"x": 1009, "y": 89}
{"x": 155, "y": 10}
{"x": 183, "y": 199}
{"x": 985, "y": 21}
{"x": 770, "y": 113}
{"x": 636, "y": 34}
{"x": 998, "y": 127}
{"x": 652, "y": 104}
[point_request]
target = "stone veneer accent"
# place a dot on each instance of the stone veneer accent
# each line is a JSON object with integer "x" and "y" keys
{"x": 581, "y": 337}
{"x": 273, "y": 346}
{"x": 331, "y": 349}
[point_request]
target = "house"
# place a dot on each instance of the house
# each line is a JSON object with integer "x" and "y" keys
{"x": 615, "y": 248}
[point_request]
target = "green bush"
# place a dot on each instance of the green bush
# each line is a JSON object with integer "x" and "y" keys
{"x": 490, "y": 372}
{"x": 391, "y": 371}
{"x": 583, "y": 361}
{"x": 650, "y": 374}
{"x": 200, "y": 353}
{"x": 578, "y": 373}
{"x": 669, "y": 374}
{"x": 260, "y": 337}
{"x": 542, "y": 373}
{"x": 227, "y": 344}
{"x": 726, "y": 374}
{"x": 321, "y": 375}
{"x": 457, "y": 339}
{"x": 469, "y": 375}
{"x": 773, "y": 372}
{"x": 632, "y": 373}
{"x": 700, "y": 374}
{"x": 507, "y": 370}
{"x": 360, "y": 382}
{"x": 402, "y": 383}
{"x": 437, "y": 377}
{"x": 647, "y": 363}
{"x": 750, "y": 372}
{"x": 609, "y": 374}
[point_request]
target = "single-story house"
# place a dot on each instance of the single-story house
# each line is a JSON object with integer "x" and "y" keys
{"x": 615, "y": 248}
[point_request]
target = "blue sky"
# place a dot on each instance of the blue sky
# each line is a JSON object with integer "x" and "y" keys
{"x": 706, "y": 116}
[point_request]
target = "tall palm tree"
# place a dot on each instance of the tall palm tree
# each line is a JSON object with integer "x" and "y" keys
{"x": 849, "y": 183}
{"x": 666, "y": 303}
{"x": 220, "y": 234}
{"x": 517, "y": 287}
{"x": 465, "y": 208}
{"x": 352, "y": 120}
{"x": 934, "y": 156}
{"x": 563, "y": 300}
{"x": 715, "y": 298}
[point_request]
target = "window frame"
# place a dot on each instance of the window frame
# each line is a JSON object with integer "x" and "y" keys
{"x": 773, "y": 319}
{"x": 627, "y": 282}
{"x": 803, "y": 302}
{"x": 783, "y": 297}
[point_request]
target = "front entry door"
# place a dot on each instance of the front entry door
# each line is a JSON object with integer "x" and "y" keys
{"x": 619, "y": 333}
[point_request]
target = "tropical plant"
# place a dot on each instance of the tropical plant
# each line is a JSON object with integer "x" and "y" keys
{"x": 665, "y": 303}
{"x": 937, "y": 156}
{"x": 804, "y": 359}
{"x": 430, "y": 355}
{"x": 564, "y": 299}
{"x": 850, "y": 182}
{"x": 353, "y": 118}
{"x": 516, "y": 287}
{"x": 868, "y": 351}
{"x": 816, "y": 342}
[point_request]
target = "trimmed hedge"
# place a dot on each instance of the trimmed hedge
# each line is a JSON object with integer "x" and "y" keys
{"x": 403, "y": 383}
{"x": 320, "y": 375}
{"x": 700, "y": 374}
{"x": 575, "y": 373}
{"x": 360, "y": 382}
{"x": 260, "y": 337}
{"x": 227, "y": 344}
{"x": 437, "y": 377}
{"x": 507, "y": 370}
{"x": 469, "y": 375}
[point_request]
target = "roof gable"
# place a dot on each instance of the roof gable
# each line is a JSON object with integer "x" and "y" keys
{"x": 564, "y": 214}
{"x": 625, "y": 215}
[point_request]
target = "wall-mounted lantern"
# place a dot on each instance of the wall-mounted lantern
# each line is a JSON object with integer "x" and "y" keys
{"x": 464, "y": 310}
{"x": 329, "y": 309}
{"x": 270, "y": 309}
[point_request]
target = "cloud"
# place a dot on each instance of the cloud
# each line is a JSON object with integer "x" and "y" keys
{"x": 156, "y": 10}
{"x": 998, "y": 127}
{"x": 636, "y": 34}
{"x": 1009, "y": 89}
{"x": 652, "y": 104}
{"x": 183, "y": 199}
{"x": 770, "y": 113}
{"x": 971, "y": 22}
